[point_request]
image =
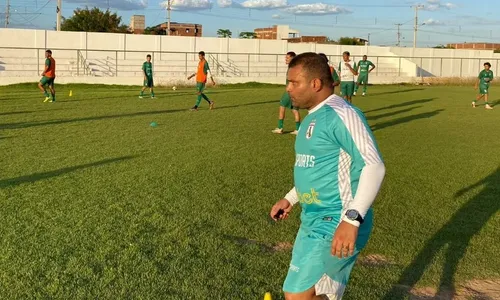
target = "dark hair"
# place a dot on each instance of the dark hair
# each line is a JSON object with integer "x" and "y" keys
{"x": 149, "y": 55}
{"x": 291, "y": 54}
{"x": 202, "y": 53}
{"x": 346, "y": 52}
{"x": 48, "y": 51}
{"x": 324, "y": 56}
{"x": 487, "y": 64}
{"x": 365, "y": 56}
{"x": 314, "y": 66}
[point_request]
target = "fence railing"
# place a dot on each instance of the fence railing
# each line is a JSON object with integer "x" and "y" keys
{"x": 105, "y": 63}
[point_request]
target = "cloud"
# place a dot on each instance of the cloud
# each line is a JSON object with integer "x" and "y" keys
{"x": 188, "y": 4}
{"x": 264, "y": 4}
{"x": 114, "y": 4}
{"x": 316, "y": 9}
{"x": 434, "y": 5}
{"x": 276, "y": 16}
{"x": 224, "y": 3}
{"x": 432, "y": 22}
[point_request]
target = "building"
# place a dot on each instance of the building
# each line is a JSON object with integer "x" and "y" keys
{"x": 183, "y": 29}
{"x": 309, "y": 39}
{"x": 137, "y": 24}
{"x": 476, "y": 46}
{"x": 277, "y": 32}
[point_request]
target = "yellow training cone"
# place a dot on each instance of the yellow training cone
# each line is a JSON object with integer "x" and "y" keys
{"x": 267, "y": 296}
{"x": 70, "y": 93}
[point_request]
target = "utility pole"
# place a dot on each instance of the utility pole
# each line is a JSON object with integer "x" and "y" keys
{"x": 169, "y": 8}
{"x": 7, "y": 14}
{"x": 399, "y": 34}
{"x": 417, "y": 7}
{"x": 59, "y": 15}
{"x": 369, "y": 39}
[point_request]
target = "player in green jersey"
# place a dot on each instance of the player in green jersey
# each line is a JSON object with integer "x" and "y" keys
{"x": 338, "y": 173}
{"x": 347, "y": 70}
{"x": 147, "y": 70}
{"x": 483, "y": 82}
{"x": 363, "y": 71}
{"x": 286, "y": 102}
{"x": 335, "y": 76}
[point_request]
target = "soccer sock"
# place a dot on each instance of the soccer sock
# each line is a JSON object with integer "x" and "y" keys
{"x": 142, "y": 93}
{"x": 365, "y": 87}
{"x": 45, "y": 93}
{"x": 356, "y": 88}
{"x": 280, "y": 123}
{"x": 297, "y": 125}
{"x": 152, "y": 94}
{"x": 198, "y": 101}
{"x": 54, "y": 97}
{"x": 205, "y": 97}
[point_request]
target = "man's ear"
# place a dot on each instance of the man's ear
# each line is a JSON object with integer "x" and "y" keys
{"x": 316, "y": 84}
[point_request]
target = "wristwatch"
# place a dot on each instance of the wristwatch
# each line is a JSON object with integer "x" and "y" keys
{"x": 354, "y": 215}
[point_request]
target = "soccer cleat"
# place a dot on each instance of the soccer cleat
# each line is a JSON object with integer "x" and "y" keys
{"x": 354, "y": 94}
{"x": 295, "y": 132}
{"x": 153, "y": 97}
{"x": 194, "y": 108}
{"x": 46, "y": 99}
{"x": 211, "y": 105}
{"x": 487, "y": 106}
{"x": 364, "y": 94}
{"x": 278, "y": 130}
{"x": 474, "y": 104}
{"x": 140, "y": 97}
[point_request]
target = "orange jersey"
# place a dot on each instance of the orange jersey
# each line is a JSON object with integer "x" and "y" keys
{"x": 50, "y": 67}
{"x": 202, "y": 71}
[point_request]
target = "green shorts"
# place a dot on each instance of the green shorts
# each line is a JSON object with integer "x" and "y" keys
{"x": 347, "y": 88}
{"x": 312, "y": 259}
{"x": 47, "y": 81}
{"x": 148, "y": 82}
{"x": 200, "y": 87}
{"x": 286, "y": 102}
{"x": 362, "y": 79}
{"x": 483, "y": 89}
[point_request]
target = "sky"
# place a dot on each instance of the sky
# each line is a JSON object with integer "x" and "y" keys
{"x": 440, "y": 21}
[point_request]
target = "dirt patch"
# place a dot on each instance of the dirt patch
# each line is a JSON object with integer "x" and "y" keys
{"x": 375, "y": 260}
{"x": 267, "y": 247}
{"x": 282, "y": 246}
{"x": 474, "y": 289}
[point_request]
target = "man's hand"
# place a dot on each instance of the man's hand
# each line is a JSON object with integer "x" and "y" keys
{"x": 189, "y": 78}
{"x": 213, "y": 82}
{"x": 344, "y": 240}
{"x": 475, "y": 87}
{"x": 285, "y": 206}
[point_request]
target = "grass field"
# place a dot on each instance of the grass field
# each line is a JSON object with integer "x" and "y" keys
{"x": 96, "y": 203}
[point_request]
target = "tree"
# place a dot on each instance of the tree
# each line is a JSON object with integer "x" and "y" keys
{"x": 350, "y": 41}
{"x": 443, "y": 47}
{"x": 247, "y": 35}
{"x": 223, "y": 33}
{"x": 155, "y": 30}
{"x": 94, "y": 20}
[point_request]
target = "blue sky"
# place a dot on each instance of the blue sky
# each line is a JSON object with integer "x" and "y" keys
{"x": 441, "y": 21}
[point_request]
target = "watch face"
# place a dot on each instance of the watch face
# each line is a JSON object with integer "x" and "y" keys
{"x": 352, "y": 214}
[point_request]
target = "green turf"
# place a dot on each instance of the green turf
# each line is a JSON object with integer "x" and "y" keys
{"x": 96, "y": 203}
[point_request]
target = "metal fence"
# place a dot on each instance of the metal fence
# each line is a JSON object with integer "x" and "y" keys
{"x": 106, "y": 63}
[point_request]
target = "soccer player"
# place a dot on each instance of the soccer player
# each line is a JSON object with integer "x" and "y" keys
{"x": 335, "y": 76}
{"x": 347, "y": 72}
{"x": 201, "y": 74}
{"x": 285, "y": 103}
{"x": 48, "y": 77}
{"x": 363, "y": 71}
{"x": 483, "y": 80}
{"x": 147, "y": 69}
{"x": 338, "y": 173}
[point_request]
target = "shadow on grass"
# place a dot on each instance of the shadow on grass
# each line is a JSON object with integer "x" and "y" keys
{"x": 407, "y": 119}
{"x": 97, "y": 118}
{"x": 454, "y": 237}
{"x": 398, "y": 91}
{"x": 390, "y": 114}
{"x": 408, "y": 103}
{"x": 40, "y": 176}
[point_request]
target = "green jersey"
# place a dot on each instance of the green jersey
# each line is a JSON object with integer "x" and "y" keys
{"x": 333, "y": 145}
{"x": 485, "y": 77}
{"x": 364, "y": 66}
{"x": 147, "y": 68}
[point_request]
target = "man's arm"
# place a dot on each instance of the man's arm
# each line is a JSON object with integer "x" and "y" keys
{"x": 144, "y": 71}
{"x": 353, "y": 71}
{"x": 373, "y": 67}
{"x": 47, "y": 66}
{"x": 209, "y": 73}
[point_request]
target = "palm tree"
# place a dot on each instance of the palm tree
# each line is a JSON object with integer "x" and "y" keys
{"x": 224, "y": 33}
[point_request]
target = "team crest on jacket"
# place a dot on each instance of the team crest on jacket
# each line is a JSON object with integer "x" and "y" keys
{"x": 310, "y": 129}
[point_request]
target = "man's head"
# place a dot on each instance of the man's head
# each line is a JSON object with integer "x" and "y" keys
{"x": 310, "y": 80}
{"x": 201, "y": 55}
{"x": 324, "y": 56}
{"x": 346, "y": 55}
{"x": 365, "y": 58}
{"x": 289, "y": 56}
{"x": 487, "y": 66}
{"x": 148, "y": 58}
{"x": 48, "y": 53}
